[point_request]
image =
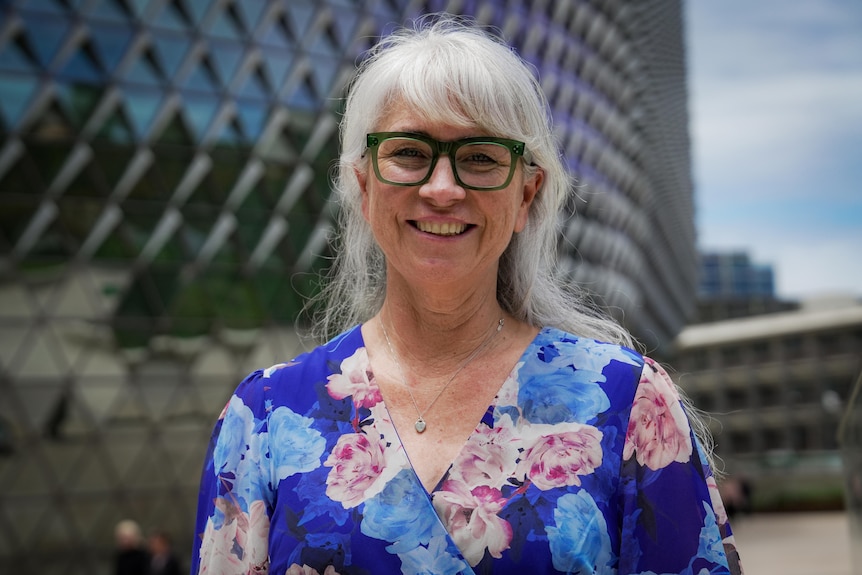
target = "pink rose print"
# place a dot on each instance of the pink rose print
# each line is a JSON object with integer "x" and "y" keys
{"x": 355, "y": 379}
{"x": 489, "y": 457}
{"x": 715, "y": 499}
{"x": 253, "y": 535}
{"x": 357, "y": 462}
{"x": 471, "y": 518}
{"x": 658, "y": 432}
{"x": 508, "y": 394}
{"x": 215, "y": 552}
{"x": 306, "y": 570}
{"x": 246, "y": 533}
{"x": 556, "y": 457}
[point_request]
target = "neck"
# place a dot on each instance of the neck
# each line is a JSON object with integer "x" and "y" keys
{"x": 438, "y": 331}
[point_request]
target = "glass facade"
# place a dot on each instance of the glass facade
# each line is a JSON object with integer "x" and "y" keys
{"x": 164, "y": 184}
{"x": 734, "y": 275}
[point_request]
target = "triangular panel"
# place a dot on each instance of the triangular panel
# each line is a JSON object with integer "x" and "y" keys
{"x": 171, "y": 50}
{"x": 250, "y": 11}
{"x": 277, "y": 34}
{"x": 255, "y": 86}
{"x": 28, "y": 476}
{"x": 226, "y": 57}
{"x": 16, "y": 58}
{"x": 141, "y": 106}
{"x": 199, "y": 8}
{"x": 299, "y": 16}
{"x": 252, "y": 116}
{"x": 27, "y": 514}
{"x": 42, "y": 356}
{"x": 145, "y": 71}
{"x": 78, "y": 101}
{"x": 54, "y": 529}
{"x": 70, "y": 298}
{"x": 174, "y": 132}
{"x": 173, "y": 16}
{"x": 278, "y": 65}
{"x": 82, "y": 67}
{"x": 203, "y": 77}
{"x": 18, "y": 92}
{"x": 199, "y": 112}
{"x": 45, "y": 35}
{"x": 110, "y": 43}
{"x": 90, "y": 472}
{"x": 227, "y": 27}
{"x": 99, "y": 397}
{"x": 117, "y": 129}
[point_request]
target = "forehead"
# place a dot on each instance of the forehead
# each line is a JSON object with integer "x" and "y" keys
{"x": 400, "y": 116}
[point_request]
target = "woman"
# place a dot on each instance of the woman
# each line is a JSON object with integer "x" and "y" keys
{"x": 378, "y": 452}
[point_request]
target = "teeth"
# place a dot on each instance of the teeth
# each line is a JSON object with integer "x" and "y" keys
{"x": 438, "y": 229}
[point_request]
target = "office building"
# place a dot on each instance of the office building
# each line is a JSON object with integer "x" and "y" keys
{"x": 164, "y": 184}
{"x": 776, "y": 386}
{"x": 731, "y": 286}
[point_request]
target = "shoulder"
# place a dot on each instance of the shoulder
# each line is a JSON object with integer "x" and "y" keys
{"x": 294, "y": 381}
{"x": 583, "y": 353}
{"x": 565, "y": 377}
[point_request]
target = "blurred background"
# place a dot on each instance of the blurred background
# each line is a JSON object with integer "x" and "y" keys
{"x": 164, "y": 208}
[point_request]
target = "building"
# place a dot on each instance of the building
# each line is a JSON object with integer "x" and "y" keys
{"x": 726, "y": 275}
{"x": 775, "y": 385}
{"x": 731, "y": 286}
{"x": 163, "y": 204}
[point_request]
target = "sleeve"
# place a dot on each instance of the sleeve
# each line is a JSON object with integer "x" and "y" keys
{"x": 235, "y": 498}
{"x": 673, "y": 518}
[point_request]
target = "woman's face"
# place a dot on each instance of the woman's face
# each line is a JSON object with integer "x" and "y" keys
{"x": 439, "y": 233}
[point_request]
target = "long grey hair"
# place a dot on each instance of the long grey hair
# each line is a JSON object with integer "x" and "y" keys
{"x": 450, "y": 70}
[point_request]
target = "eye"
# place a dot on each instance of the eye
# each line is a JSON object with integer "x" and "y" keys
{"x": 479, "y": 158}
{"x": 407, "y": 151}
{"x": 483, "y": 156}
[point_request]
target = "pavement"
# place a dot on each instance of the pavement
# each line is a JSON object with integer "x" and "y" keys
{"x": 813, "y": 543}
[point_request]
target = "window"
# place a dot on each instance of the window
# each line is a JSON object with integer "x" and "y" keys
{"x": 730, "y": 356}
{"x": 737, "y": 399}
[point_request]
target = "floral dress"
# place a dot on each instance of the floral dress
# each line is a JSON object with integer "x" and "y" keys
{"x": 585, "y": 463}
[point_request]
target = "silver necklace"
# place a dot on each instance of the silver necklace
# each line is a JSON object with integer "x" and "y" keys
{"x": 420, "y": 424}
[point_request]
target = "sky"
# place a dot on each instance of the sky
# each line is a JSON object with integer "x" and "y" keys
{"x": 775, "y": 104}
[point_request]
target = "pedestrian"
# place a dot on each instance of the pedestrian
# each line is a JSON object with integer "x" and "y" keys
{"x": 163, "y": 560}
{"x": 130, "y": 557}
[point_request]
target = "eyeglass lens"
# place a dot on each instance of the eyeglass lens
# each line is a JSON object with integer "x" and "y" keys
{"x": 407, "y": 161}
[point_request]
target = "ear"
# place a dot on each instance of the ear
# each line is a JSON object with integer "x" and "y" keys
{"x": 362, "y": 179}
{"x": 531, "y": 187}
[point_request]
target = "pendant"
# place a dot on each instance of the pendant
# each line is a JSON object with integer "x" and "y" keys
{"x": 419, "y": 425}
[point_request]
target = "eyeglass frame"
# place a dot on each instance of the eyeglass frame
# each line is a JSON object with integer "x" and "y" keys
{"x": 517, "y": 149}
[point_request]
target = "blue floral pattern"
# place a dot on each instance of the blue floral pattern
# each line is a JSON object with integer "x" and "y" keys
{"x": 585, "y": 463}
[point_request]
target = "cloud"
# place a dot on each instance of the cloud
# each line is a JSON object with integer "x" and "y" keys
{"x": 809, "y": 268}
{"x": 777, "y": 131}
{"x": 775, "y": 92}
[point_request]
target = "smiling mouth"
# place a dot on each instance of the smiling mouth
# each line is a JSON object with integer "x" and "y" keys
{"x": 438, "y": 229}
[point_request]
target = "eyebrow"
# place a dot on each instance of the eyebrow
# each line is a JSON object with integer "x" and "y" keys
{"x": 430, "y": 137}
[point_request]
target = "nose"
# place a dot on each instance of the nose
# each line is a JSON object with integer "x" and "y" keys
{"x": 442, "y": 188}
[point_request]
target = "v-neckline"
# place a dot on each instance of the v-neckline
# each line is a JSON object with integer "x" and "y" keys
{"x": 510, "y": 380}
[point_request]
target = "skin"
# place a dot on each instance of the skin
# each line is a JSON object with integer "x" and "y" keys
{"x": 440, "y": 300}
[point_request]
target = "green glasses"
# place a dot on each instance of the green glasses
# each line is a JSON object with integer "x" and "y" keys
{"x": 407, "y": 159}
